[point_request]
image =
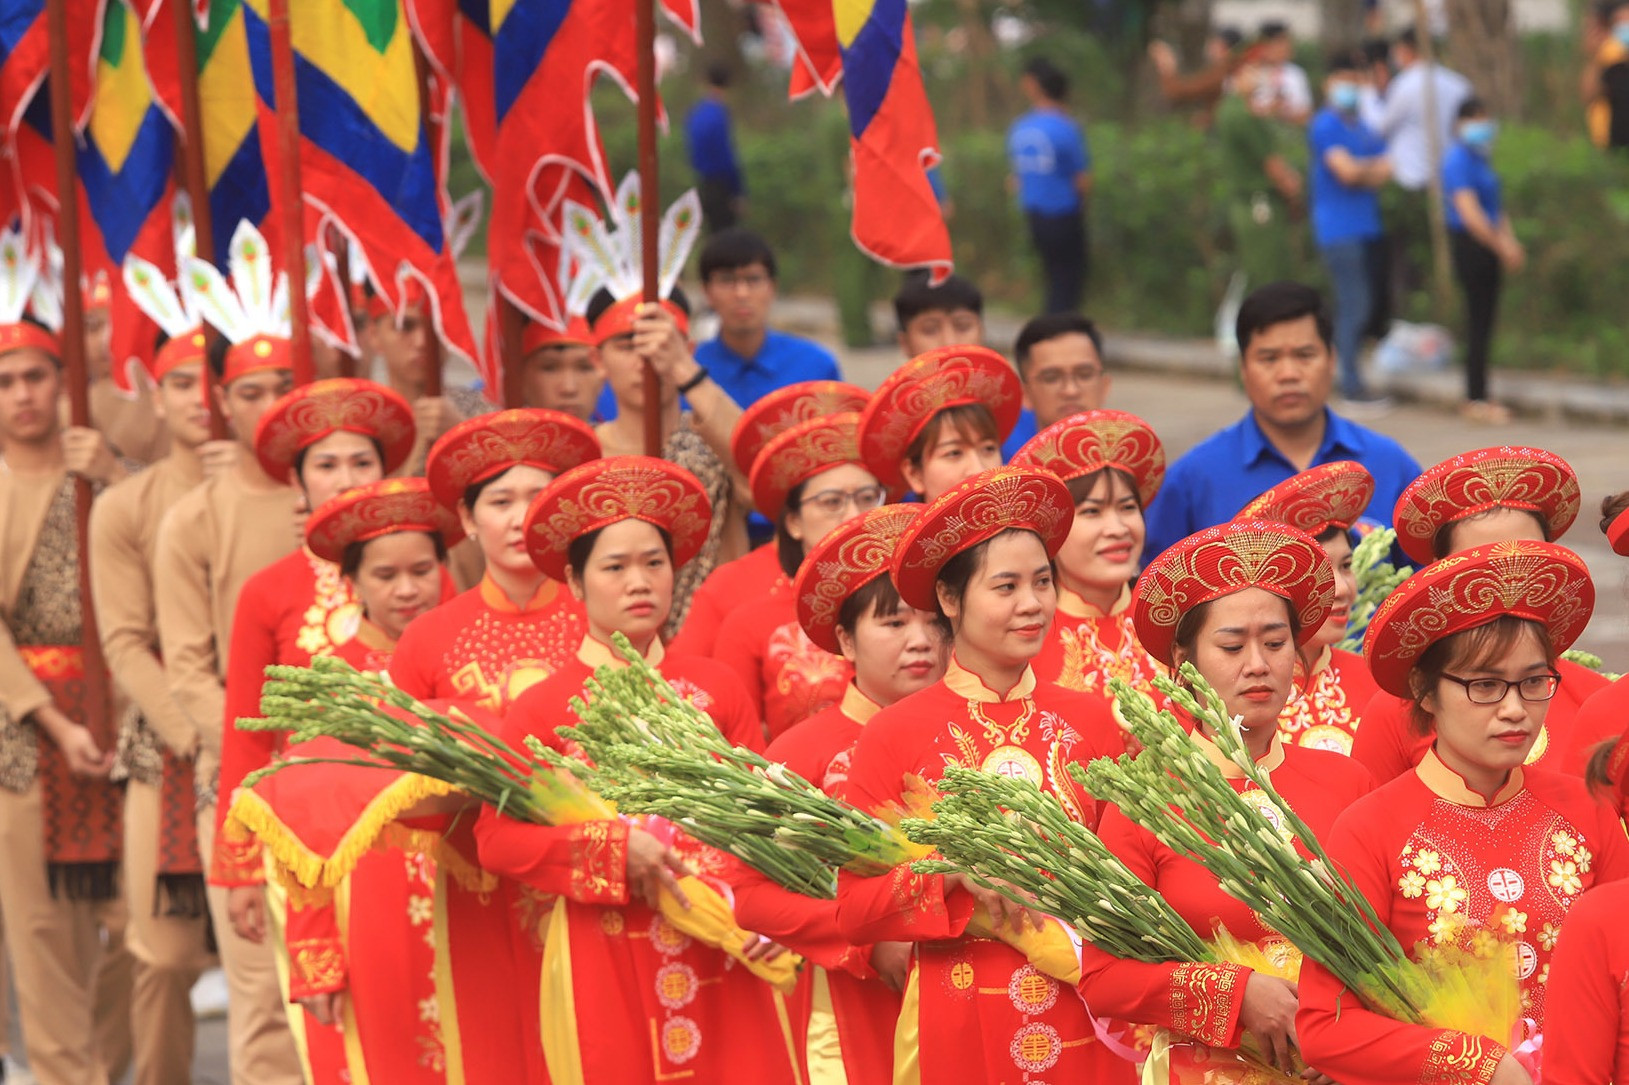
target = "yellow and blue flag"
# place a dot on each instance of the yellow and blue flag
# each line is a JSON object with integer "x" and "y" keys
{"x": 366, "y": 161}
{"x": 893, "y": 140}
{"x": 234, "y": 168}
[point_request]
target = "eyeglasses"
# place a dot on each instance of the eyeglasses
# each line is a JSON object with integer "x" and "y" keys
{"x": 729, "y": 281}
{"x": 1052, "y": 378}
{"x": 1538, "y": 687}
{"x": 833, "y": 502}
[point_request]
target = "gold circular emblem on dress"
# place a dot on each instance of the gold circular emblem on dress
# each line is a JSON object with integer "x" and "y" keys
{"x": 611, "y": 922}
{"x": 1326, "y": 736}
{"x": 961, "y": 975}
{"x": 1540, "y": 746}
{"x": 1013, "y": 762}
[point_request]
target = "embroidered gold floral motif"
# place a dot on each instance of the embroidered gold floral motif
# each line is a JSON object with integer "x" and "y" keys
{"x": 599, "y": 863}
{"x": 1457, "y": 1058}
{"x": 318, "y": 964}
{"x": 1201, "y": 997}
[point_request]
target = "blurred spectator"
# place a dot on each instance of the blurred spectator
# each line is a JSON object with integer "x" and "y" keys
{"x": 948, "y": 315}
{"x": 1609, "y": 113}
{"x": 1282, "y": 89}
{"x": 1060, "y": 362}
{"x": 1203, "y": 88}
{"x": 1484, "y": 247}
{"x": 1262, "y": 189}
{"x": 747, "y": 359}
{"x": 1400, "y": 112}
{"x": 712, "y": 153}
{"x": 1348, "y": 164}
{"x": 1052, "y": 175}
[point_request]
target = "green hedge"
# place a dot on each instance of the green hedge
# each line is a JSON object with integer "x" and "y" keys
{"x": 1160, "y": 250}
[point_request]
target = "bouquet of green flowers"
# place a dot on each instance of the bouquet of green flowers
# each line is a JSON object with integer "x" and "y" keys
{"x": 1377, "y": 578}
{"x": 1176, "y": 793}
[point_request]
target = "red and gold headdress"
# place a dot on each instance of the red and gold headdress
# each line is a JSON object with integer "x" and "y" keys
{"x": 387, "y": 507}
{"x": 1329, "y": 495}
{"x": 1617, "y": 534}
{"x": 844, "y": 562}
{"x": 480, "y": 448}
{"x": 539, "y": 335}
{"x": 1532, "y": 479}
{"x": 605, "y": 492}
{"x": 1226, "y": 559}
{"x": 1076, "y": 446}
{"x": 926, "y": 385}
{"x": 1538, "y": 581}
{"x": 972, "y": 512}
{"x": 800, "y": 453}
{"x": 310, "y": 413}
{"x": 784, "y": 408}
{"x": 27, "y": 287}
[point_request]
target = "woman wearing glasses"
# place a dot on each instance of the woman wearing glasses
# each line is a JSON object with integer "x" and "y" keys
{"x": 809, "y": 479}
{"x": 1477, "y": 499}
{"x": 1472, "y": 847}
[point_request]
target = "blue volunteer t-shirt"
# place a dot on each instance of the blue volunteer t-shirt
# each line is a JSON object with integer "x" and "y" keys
{"x": 1464, "y": 168}
{"x": 1020, "y": 436}
{"x": 1342, "y": 212}
{"x": 1212, "y": 481}
{"x": 1047, "y": 151}
{"x": 782, "y": 360}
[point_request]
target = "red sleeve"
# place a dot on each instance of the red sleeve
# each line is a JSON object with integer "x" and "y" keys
{"x": 254, "y": 648}
{"x": 1585, "y": 1016}
{"x": 316, "y": 952}
{"x": 901, "y": 905}
{"x": 1612, "y": 854}
{"x": 702, "y": 622}
{"x": 740, "y": 647}
{"x": 1193, "y": 998}
{"x": 587, "y": 863}
{"x": 803, "y": 924}
{"x": 1385, "y": 743}
{"x": 734, "y": 714}
{"x": 1599, "y": 719}
{"x": 1354, "y": 1045}
{"x": 411, "y": 666}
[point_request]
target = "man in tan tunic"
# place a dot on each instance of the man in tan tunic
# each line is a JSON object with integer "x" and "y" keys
{"x": 168, "y": 930}
{"x": 59, "y": 814}
{"x": 212, "y": 540}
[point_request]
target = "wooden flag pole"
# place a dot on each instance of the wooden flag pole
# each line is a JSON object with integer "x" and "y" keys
{"x": 511, "y": 329}
{"x": 430, "y": 131}
{"x": 650, "y": 220}
{"x": 73, "y": 338}
{"x": 288, "y": 185}
{"x": 195, "y": 179}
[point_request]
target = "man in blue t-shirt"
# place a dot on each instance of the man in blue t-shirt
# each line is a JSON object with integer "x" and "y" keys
{"x": 1052, "y": 176}
{"x": 712, "y": 153}
{"x": 1348, "y": 164}
{"x": 1287, "y": 369}
{"x": 748, "y": 359}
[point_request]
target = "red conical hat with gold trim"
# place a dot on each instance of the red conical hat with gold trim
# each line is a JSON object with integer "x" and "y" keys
{"x": 386, "y": 507}
{"x": 799, "y": 454}
{"x": 1089, "y": 441}
{"x": 1538, "y": 581}
{"x": 921, "y": 388}
{"x": 1229, "y": 558}
{"x": 481, "y": 448}
{"x": 310, "y": 413}
{"x": 1508, "y": 477}
{"x": 604, "y": 492}
{"x": 847, "y": 560}
{"x": 1329, "y": 495}
{"x": 784, "y": 408}
{"x": 972, "y": 512}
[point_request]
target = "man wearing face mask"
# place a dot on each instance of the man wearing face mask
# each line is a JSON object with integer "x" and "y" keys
{"x": 1484, "y": 248}
{"x": 1348, "y": 164}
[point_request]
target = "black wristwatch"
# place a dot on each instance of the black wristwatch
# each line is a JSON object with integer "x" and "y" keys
{"x": 694, "y": 382}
